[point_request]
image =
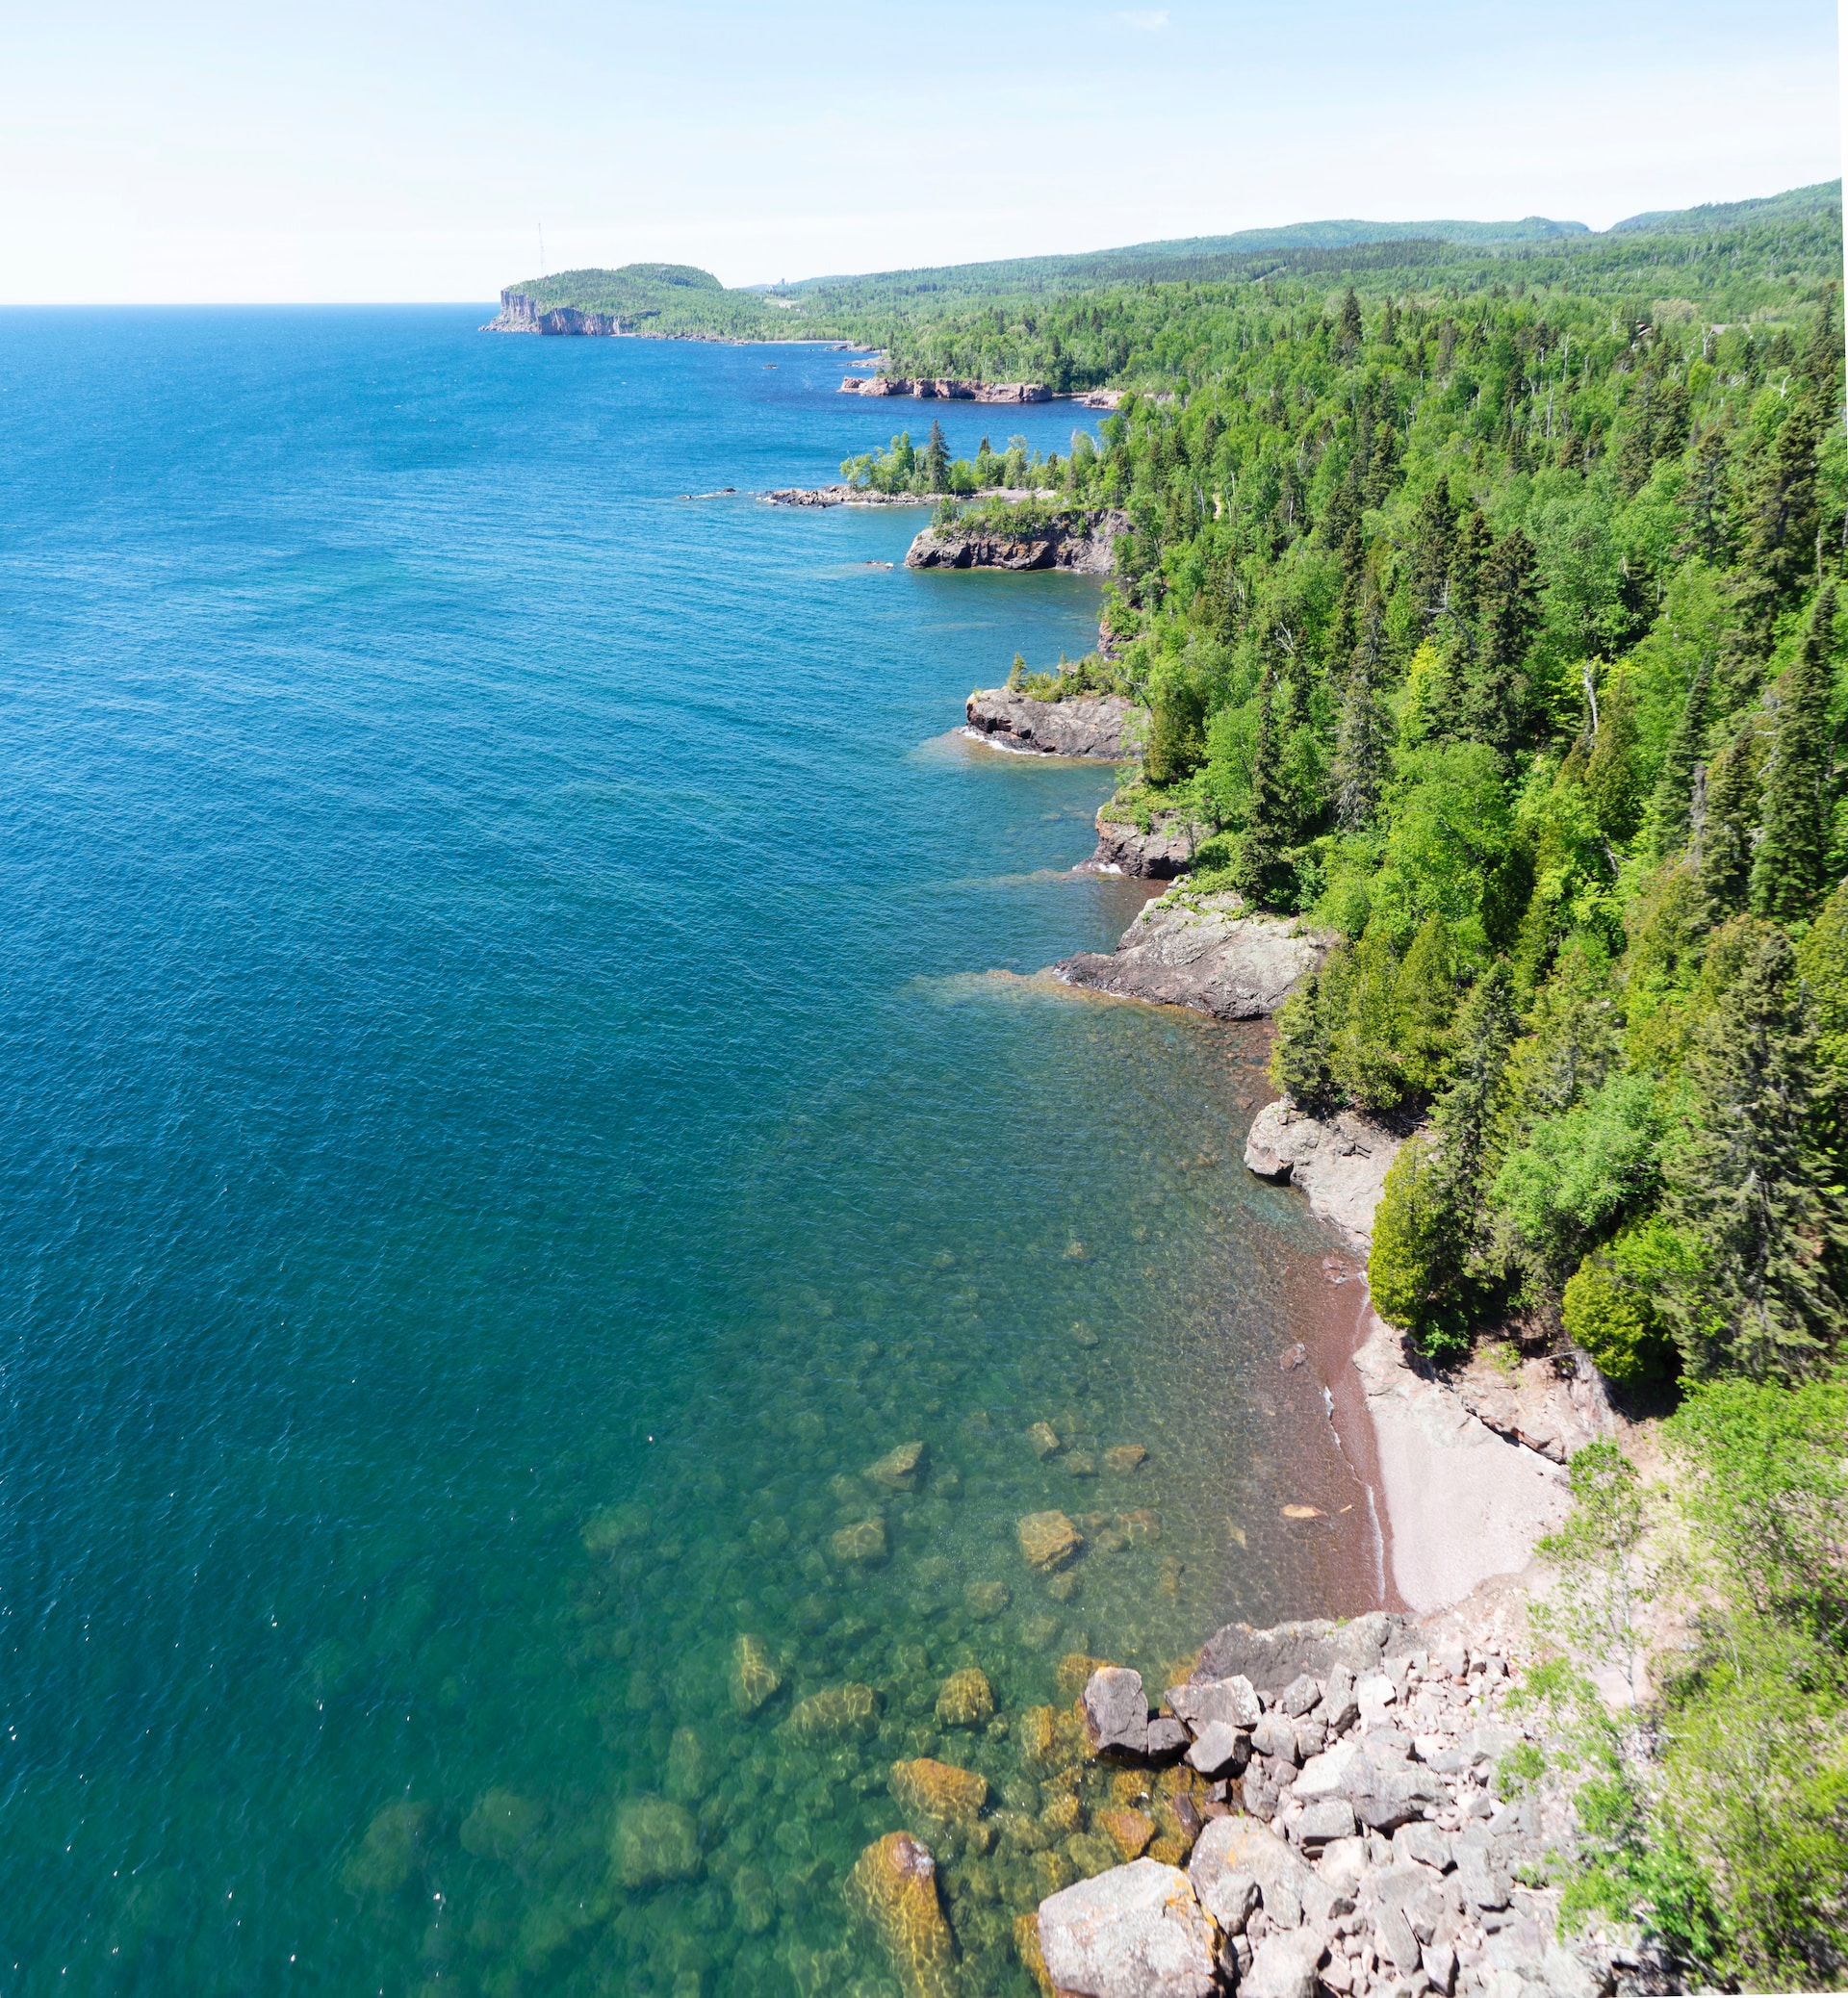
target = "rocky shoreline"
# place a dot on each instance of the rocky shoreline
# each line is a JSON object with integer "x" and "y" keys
{"x": 1083, "y": 540}
{"x": 1099, "y": 726}
{"x": 959, "y": 389}
{"x": 1208, "y": 953}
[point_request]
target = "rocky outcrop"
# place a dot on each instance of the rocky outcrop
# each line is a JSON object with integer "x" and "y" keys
{"x": 1531, "y": 1403}
{"x": 1135, "y": 1931}
{"x": 1166, "y": 850}
{"x": 1089, "y": 725}
{"x": 945, "y": 389}
{"x": 842, "y": 495}
{"x": 1201, "y": 951}
{"x": 1340, "y": 1163}
{"x": 1082, "y": 539}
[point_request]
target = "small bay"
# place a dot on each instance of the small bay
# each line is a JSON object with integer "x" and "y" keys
{"x": 523, "y": 1090}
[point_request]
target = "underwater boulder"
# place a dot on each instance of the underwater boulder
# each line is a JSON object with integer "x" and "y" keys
{"x": 1125, "y": 1457}
{"x": 617, "y": 1526}
{"x": 899, "y": 1469}
{"x": 836, "y": 1712}
{"x": 893, "y": 1889}
{"x": 965, "y": 1699}
{"x": 983, "y": 1600}
{"x": 686, "y": 1771}
{"x": 654, "y": 1840}
{"x": 862, "y": 1543}
{"x": 391, "y": 1850}
{"x": 1048, "y": 1540}
{"x": 940, "y": 1791}
{"x": 754, "y": 1678}
{"x": 501, "y": 1825}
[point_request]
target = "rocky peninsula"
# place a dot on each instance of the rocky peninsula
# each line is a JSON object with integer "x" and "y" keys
{"x": 1209, "y": 953}
{"x": 1081, "y": 539}
{"x": 959, "y": 389}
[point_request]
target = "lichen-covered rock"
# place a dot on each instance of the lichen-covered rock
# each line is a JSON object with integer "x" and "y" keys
{"x": 1231, "y": 1849}
{"x": 899, "y": 1468}
{"x": 1026, "y": 1943}
{"x": 1048, "y": 1540}
{"x": 1207, "y": 952}
{"x": 893, "y": 1889}
{"x": 965, "y": 1699}
{"x": 940, "y": 1791}
{"x": 754, "y": 1678}
{"x": 862, "y": 1544}
{"x": 1117, "y": 1711}
{"x": 1087, "y": 725}
{"x": 654, "y": 1840}
{"x": 1135, "y": 1932}
{"x": 851, "y": 1709}
{"x": 1130, "y": 1828}
{"x": 1339, "y": 1162}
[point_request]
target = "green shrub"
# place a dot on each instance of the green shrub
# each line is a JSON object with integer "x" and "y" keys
{"x": 1616, "y": 1324}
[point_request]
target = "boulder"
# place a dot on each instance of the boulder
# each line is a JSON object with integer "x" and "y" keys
{"x": 1044, "y": 1441}
{"x": 1131, "y": 1830}
{"x": 940, "y": 1791}
{"x": 1234, "y": 1849}
{"x": 862, "y": 1544}
{"x": 1328, "y": 1819}
{"x": 1203, "y": 1701}
{"x": 1284, "y": 1966}
{"x": 1048, "y": 1540}
{"x": 754, "y": 1678}
{"x": 1117, "y": 1711}
{"x": 965, "y": 1699}
{"x": 893, "y": 1889}
{"x": 654, "y": 1841}
{"x": 900, "y": 1468}
{"x": 1166, "y": 850}
{"x": 836, "y": 1712}
{"x": 1087, "y": 725}
{"x": 1219, "y": 1750}
{"x": 1271, "y": 1658}
{"x": 1167, "y": 1738}
{"x": 1384, "y": 1791}
{"x": 1125, "y": 1457}
{"x": 1135, "y": 1932}
{"x": 1339, "y": 1162}
{"x": 1205, "y": 952}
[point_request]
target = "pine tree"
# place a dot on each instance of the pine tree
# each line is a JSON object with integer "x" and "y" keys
{"x": 1348, "y": 327}
{"x": 1749, "y": 1190}
{"x": 1469, "y": 564}
{"x": 1497, "y": 697}
{"x": 1671, "y": 805}
{"x": 1364, "y": 1054}
{"x": 1613, "y": 779}
{"x": 1724, "y": 833}
{"x": 1788, "y": 868}
{"x": 1269, "y": 827}
{"x": 1706, "y": 494}
{"x": 1433, "y": 533}
{"x": 1363, "y": 733}
{"x": 1425, "y": 999}
{"x": 1822, "y": 358}
{"x": 1782, "y": 512}
{"x": 936, "y": 460}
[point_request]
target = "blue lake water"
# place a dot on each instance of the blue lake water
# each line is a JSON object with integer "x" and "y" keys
{"x": 511, "y": 1111}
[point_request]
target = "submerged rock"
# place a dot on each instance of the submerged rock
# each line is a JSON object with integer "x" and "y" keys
{"x": 900, "y": 1468}
{"x": 985, "y": 1599}
{"x": 965, "y": 1699}
{"x": 387, "y": 1853}
{"x": 754, "y": 1678}
{"x": 654, "y": 1840}
{"x": 1048, "y": 1540}
{"x": 863, "y": 1542}
{"x": 1045, "y": 1439}
{"x": 940, "y": 1791}
{"x": 1206, "y": 952}
{"x": 501, "y": 1825}
{"x": 851, "y": 1709}
{"x": 1125, "y": 1457}
{"x": 617, "y": 1526}
{"x": 893, "y": 1889}
{"x": 1135, "y": 1931}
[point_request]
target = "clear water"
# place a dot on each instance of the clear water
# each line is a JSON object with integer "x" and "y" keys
{"x": 512, "y": 1106}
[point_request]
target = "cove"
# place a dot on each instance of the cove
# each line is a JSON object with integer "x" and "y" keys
{"x": 516, "y": 1106}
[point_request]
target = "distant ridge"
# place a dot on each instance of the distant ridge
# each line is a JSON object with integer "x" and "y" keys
{"x": 1797, "y": 205}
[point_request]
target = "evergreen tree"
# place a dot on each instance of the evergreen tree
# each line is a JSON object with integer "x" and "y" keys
{"x": 1497, "y": 697}
{"x": 1363, "y": 1054}
{"x": 1613, "y": 779}
{"x": 1425, "y": 999}
{"x": 1348, "y": 327}
{"x": 1706, "y": 494}
{"x": 1782, "y": 513}
{"x": 1363, "y": 733}
{"x": 1760, "y": 1218}
{"x": 936, "y": 460}
{"x": 1299, "y": 1058}
{"x": 1822, "y": 357}
{"x": 1670, "y": 805}
{"x": 1465, "y": 1122}
{"x": 1469, "y": 562}
{"x": 1788, "y": 868}
{"x": 1433, "y": 534}
{"x": 1270, "y": 823}
{"x": 1723, "y": 834}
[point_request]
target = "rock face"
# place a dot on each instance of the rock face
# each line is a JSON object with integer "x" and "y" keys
{"x": 1166, "y": 849}
{"x": 945, "y": 389}
{"x": 1089, "y": 725}
{"x": 520, "y": 315}
{"x": 1339, "y": 1162}
{"x": 1083, "y": 539}
{"x": 1204, "y": 952}
{"x": 1135, "y": 1932}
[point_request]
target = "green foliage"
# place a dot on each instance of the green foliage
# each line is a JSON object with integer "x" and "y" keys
{"x": 1405, "y": 1265}
{"x": 1615, "y": 1321}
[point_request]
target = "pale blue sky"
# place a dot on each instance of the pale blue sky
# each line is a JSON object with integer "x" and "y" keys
{"x": 401, "y": 150}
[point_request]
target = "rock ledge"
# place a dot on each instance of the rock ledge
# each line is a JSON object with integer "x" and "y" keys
{"x": 1201, "y": 951}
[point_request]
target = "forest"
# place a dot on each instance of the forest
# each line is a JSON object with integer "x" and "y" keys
{"x": 1496, "y": 631}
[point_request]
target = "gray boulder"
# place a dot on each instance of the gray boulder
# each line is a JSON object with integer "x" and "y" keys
{"x": 1117, "y": 1711}
{"x": 1135, "y": 1932}
{"x": 1167, "y": 1738}
{"x": 1333, "y": 1817}
{"x": 1234, "y": 1849}
{"x": 1218, "y": 1750}
{"x": 1284, "y": 1966}
{"x": 1274, "y": 1736}
{"x": 1273, "y": 1658}
{"x": 1201, "y": 1700}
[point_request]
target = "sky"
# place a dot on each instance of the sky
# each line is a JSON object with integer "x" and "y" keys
{"x": 403, "y": 150}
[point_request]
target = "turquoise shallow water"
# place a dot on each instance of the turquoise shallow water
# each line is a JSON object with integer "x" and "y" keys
{"x": 511, "y": 1111}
